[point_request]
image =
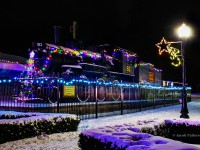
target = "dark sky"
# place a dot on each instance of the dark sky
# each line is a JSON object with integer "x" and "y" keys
{"x": 136, "y": 25}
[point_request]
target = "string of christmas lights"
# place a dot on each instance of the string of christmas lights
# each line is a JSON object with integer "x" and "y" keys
{"x": 12, "y": 62}
{"x": 149, "y": 64}
{"x": 7, "y": 61}
{"x": 50, "y": 49}
{"x": 74, "y": 81}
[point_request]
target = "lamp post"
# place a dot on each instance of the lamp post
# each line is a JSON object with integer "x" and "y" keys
{"x": 184, "y": 32}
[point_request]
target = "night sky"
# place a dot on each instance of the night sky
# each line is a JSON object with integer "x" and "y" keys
{"x": 135, "y": 25}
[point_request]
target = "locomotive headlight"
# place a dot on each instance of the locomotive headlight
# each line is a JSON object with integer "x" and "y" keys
{"x": 32, "y": 54}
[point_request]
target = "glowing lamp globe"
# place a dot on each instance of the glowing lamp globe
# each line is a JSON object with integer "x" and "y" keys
{"x": 184, "y": 31}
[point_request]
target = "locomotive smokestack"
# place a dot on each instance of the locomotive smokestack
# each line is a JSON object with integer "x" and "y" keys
{"x": 56, "y": 34}
{"x": 73, "y": 29}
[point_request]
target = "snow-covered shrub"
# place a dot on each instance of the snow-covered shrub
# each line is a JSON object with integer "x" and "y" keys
{"x": 15, "y": 129}
{"x": 11, "y": 116}
{"x": 91, "y": 143}
{"x": 181, "y": 129}
{"x": 111, "y": 138}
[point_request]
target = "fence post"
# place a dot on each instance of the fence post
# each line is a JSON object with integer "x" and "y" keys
{"x": 173, "y": 102}
{"x": 140, "y": 96}
{"x": 164, "y": 96}
{"x": 58, "y": 95}
{"x": 121, "y": 93}
{"x": 153, "y": 98}
{"x": 96, "y": 100}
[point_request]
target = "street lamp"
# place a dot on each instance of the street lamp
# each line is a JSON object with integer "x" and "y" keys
{"x": 184, "y": 32}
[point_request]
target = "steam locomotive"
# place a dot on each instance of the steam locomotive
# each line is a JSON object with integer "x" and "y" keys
{"x": 107, "y": 66}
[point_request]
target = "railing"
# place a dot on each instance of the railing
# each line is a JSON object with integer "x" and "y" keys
{"x": 87, "y": 99}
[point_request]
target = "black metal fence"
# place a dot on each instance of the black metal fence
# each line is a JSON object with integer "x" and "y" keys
{"x": 87, "y": 99}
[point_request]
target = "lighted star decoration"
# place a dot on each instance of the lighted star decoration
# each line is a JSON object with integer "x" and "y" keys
{"x": 165, "y": 46}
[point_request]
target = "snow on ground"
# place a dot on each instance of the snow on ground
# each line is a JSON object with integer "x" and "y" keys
{"x": 171, "y": 112}
{"x": 68, "y": 141}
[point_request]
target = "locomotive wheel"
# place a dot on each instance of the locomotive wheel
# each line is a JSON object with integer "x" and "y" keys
{"x": 83, "y": 90}
{"x": 101, "y": 90}
{"x": 53, "y": 98}
{"x": 48, "y": 94}
{"x": 115, "y": 90}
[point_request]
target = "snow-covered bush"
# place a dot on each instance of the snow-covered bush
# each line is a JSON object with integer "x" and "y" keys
{"x": 36, "y": 124}
{"x": 178, "y": 129}
{"x": 148, "y": 134}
